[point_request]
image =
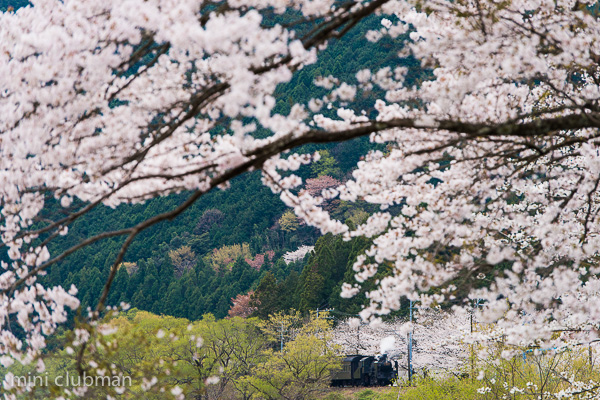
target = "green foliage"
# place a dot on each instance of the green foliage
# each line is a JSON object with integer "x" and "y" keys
{"x": 327, "y": 165}
{"x": 207, "y": 359}
{"x": 442, "y": 389}
{"x": 357, "y": 217}
{"x": 177, "y": 352}
{"x": 302, "y": 369}
{"x": 288, "y": 221}
{"x": 334, "y": 396}
{"x": 169, "y": 280}
{"x": 15, "y": 4}
{"x": 319, "y": 283}
{"x": 427, "y": 389}
{"x": 266, "y": 297}
{"x": 224, "y": 257}
{"x": 183, "y": 259}
{"x": 328, "y": 267}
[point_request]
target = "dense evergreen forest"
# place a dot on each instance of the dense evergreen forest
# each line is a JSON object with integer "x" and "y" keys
{"x": 231, "y": 241}
{"x": 15, "y": 4}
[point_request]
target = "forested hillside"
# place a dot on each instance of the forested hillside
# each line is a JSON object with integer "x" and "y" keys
{"x": 15, "y": 4}
{"x": 231, "y": 241}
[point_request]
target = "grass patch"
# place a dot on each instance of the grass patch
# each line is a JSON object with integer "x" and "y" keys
{"x": 426, "y": 389}
{"x": 446, "y": 389}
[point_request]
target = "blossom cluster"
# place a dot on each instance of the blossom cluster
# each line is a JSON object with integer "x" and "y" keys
{"x": 437, "y": 341}
{"x": 485, "y": 175}
{"x": 298, "y": 254}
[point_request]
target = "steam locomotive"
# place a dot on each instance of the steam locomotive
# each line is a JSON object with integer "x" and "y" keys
{"x": 358, "y": 370}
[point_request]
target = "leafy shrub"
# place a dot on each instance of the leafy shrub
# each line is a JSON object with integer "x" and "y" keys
{"x": 443, "y": 389}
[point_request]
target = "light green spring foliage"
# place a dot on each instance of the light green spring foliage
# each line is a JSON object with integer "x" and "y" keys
{"x": 204, "y": 358}
{"x": 224, "y": 257}
{"x": 292, "y": 323}
{"x": 442, "y": 389}
{"x": 167, "y": 357}
{"x": 424, "y": 389}
{"x": 138, "y": 354}
{"x": 327, "y": 165}
{"x": 288, "y": 221}
{"x": 300, "y": 371}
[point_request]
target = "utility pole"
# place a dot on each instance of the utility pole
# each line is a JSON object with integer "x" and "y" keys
{"x": 410, "y": 309}
{"x": 477, "y": 304}
{"x": 324, "y": 310}
{"x": 472, "y": 352}
{"x": 357, "y": 337}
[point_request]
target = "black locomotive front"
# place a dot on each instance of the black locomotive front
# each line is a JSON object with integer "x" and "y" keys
{"x": 359, "y": 370}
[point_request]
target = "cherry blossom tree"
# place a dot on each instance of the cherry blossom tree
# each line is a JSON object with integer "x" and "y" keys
{"x": 316, "y": 186}
{"x": 493, "y": 162}
{"x": 241, "y": 306}
{"x": 438, "y": 341}
{"x": 298, "y": 254}
{"x": 259, "y": 259}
